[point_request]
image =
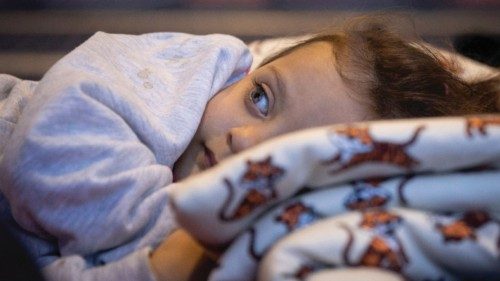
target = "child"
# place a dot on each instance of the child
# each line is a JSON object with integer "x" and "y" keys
{"x": 88, "y": 195}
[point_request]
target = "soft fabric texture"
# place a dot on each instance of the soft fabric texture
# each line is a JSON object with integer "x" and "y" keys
{"x": 86, "y": 153}
{"x": 414, "y": 198}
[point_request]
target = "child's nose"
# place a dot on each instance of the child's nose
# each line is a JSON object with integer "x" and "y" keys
{"x": 241, "y": 138}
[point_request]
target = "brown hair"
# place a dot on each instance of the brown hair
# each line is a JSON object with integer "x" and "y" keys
{"x": 403, "y": 79}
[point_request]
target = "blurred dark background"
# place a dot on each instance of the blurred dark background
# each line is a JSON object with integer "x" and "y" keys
{"x": 35, "y": 33}
{"x": 245, "y": 4}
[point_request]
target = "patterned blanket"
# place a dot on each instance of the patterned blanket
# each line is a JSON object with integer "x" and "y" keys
{"x": 415, "y": 199}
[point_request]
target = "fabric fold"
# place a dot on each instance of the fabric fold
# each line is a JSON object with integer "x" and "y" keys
{"x": 403, "y": 196}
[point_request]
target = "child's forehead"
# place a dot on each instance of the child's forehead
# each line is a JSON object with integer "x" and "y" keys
{"x": 303, "y": 50}
{"x": 312, "y": 57}
{"x": 307, "y": 71}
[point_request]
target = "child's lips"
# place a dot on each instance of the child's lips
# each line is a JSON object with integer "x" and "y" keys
{"x": 209, "y": 159}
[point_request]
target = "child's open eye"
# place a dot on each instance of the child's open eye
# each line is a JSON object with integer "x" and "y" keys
{"x": 260, "y": 99}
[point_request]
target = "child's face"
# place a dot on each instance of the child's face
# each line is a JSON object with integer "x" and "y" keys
{"x": 299, "y": 90}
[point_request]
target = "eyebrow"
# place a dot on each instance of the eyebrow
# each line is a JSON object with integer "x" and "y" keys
{"x": 281, "y": 85}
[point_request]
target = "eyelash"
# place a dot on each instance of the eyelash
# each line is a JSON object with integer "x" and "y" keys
{"x": 258, "y": 88}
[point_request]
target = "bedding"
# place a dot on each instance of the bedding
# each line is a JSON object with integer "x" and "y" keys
{"x": 414, "y": 199}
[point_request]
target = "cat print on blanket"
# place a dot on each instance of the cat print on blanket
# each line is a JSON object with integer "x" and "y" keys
{"x": 385, "y": 254}
{"x": 258, "y": 181}
{"x": 293, "y": 216}
{"x": 380, "y": 221}
{"x": 465, "y": 227}
{"x": 367, "y": 194}
{"x": 385, "y": 250}
{"x": 478, "y": 124}
{"x": 357, "y": 146}
{"x": 297, "y": 215}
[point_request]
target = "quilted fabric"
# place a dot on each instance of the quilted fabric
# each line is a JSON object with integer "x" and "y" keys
{"x": 415, "y": 199}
